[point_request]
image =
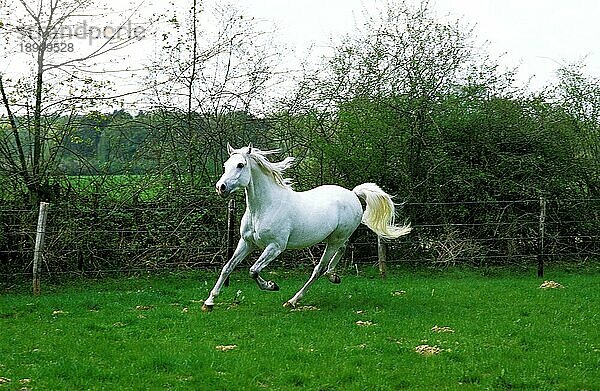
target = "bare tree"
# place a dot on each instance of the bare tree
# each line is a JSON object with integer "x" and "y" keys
{"x": 61, "y": 46}
{"x": 214, "y": 72}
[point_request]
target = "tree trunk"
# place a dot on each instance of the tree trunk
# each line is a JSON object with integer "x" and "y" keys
{"x": 38, "y": 134}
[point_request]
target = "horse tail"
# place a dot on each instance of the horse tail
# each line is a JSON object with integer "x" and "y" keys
{"x": 380, "y": 213}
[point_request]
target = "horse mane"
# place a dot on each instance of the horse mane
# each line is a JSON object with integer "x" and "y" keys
{"x": 274, "y": 169}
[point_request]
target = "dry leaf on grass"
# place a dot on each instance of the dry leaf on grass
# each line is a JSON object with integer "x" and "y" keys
{"x": 225, "y": 348}
{"x": 444, "y": 329}
{"x": 4, "y": 380}
{"x": 551, "y": 285}
{"x": 398, "y": 293}
{"x": 364, "y": 323}
{"x": 426, "y": 350}
{"x": 143, "y": 307}
{"x": 305, "y": 308}
{"x": 59, "y": 312}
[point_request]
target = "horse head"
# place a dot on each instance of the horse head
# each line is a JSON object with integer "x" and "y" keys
{"x": 236, "y": 172}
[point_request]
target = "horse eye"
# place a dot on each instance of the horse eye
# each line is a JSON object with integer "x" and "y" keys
{"x": 240, "y": 165}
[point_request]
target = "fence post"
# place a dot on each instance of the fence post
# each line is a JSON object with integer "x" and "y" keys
{"x": 39, "y": 246}
{"x": 230, "y": 232}
{"x": 542, "y": 227}
{"x": 382, "y": 250}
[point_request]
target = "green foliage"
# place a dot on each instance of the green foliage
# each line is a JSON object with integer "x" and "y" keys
{"x": 409, "y": 102}
{"x": 504, "y": 149}
{"x": 149, "y": 333}
{"x": 473, "y": 149}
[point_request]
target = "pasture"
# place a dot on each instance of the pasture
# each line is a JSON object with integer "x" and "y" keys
{"x": 485, "y": 330}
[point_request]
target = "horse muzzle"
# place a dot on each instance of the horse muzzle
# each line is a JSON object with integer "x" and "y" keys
{"x": 222, "y": 190}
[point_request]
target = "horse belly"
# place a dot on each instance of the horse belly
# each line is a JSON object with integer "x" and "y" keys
{"x": 327, "y": 214}
{"x": 305, "y": 236}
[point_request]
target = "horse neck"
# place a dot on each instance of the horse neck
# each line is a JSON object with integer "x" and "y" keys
{"x": 262, "y": 191}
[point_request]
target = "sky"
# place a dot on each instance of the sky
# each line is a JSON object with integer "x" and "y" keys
{"x": 537, "y": 36}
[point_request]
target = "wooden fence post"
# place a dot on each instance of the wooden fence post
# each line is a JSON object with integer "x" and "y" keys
{"x": 39, "y": 246}
{"x": 230, "y": 232}
{"x": 382, "y": 251}
{"x": 542, "y": 227}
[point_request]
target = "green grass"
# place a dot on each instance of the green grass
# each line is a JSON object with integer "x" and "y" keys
{"x": 149, "y": 333}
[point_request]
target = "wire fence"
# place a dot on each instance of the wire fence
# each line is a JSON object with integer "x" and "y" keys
{"x": 505, "y": 232}
{"x": 87, "y": 238}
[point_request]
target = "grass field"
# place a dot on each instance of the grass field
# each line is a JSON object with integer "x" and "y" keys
{"x": 498, "y": 331}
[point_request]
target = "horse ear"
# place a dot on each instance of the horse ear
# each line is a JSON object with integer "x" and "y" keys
{"x": 249, "y": 148}
{"x": 230, "y": 149}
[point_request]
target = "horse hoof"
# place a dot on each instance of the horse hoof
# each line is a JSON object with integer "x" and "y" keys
{"x": 273, "y": 286}
{"x": 287, "y": 304}
{"x": 334, "y": 278}
{"x": 207, "y": 308}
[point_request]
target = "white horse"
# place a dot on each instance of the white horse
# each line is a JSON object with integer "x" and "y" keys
{"x": 278, "y": 217}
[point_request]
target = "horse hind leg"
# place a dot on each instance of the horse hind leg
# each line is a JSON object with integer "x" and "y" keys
{"x": 330, "y": 272}
{"x": 329, "y": 252}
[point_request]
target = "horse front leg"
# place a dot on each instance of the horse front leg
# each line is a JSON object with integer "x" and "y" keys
{"x": 242, "y": 250}
{"x": 325, "y": 258}
{"x": 270, "y": 253}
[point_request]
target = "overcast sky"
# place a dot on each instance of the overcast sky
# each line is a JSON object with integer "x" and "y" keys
{"x": 536, "y": 35}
